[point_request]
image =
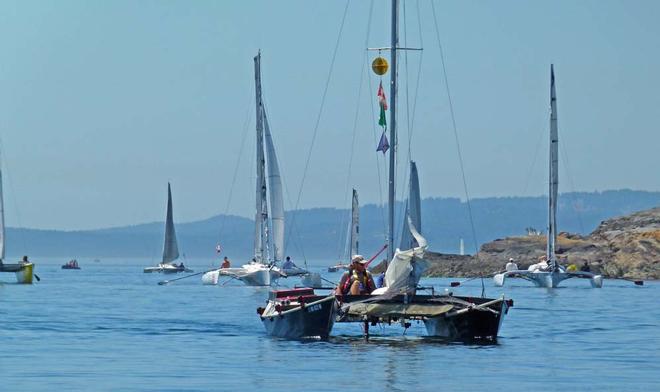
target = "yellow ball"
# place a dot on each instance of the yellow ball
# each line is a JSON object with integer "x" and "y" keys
{"x": 380, "y": 66}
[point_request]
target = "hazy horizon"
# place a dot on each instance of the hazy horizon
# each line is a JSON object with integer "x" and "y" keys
{"x": 102, "y": 103}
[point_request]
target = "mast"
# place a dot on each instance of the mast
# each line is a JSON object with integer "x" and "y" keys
{"x": 261, "y": 213}
{"x": 553, "y": 175}
{"x": 390, "y": 199}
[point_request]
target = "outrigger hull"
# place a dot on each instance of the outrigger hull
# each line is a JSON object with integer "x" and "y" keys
{"x": 471, "y": 325}
{"x": 303, "y": 317}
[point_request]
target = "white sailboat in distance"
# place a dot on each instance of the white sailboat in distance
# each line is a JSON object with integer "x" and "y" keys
{"x": 551, "y": 273}
{"x": 170, "y": 247}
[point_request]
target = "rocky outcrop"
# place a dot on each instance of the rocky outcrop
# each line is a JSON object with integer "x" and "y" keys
{"x": 623, "y": 247}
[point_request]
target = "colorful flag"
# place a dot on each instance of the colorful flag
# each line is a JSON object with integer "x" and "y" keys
{"x": 381, "y": 97}
{"x": 383, "y": 144}
{"x": 382, "y": 121}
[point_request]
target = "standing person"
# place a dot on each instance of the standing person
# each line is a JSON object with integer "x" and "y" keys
{"x": 357, "y": 281}
{"x": 511, "y": 265}
{"x": 225, "y": 263}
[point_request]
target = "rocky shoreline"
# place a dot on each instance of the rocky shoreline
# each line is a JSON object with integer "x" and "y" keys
{"x": 622, "y": 247}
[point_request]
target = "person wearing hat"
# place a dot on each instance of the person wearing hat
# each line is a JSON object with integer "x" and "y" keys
{"x": 357, "y": 281}
{"x": 511, "y": 265}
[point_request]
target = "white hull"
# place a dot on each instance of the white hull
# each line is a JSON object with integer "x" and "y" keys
{"x": 548, "y": 279}
{"x": 165, "y": 269}
{"x": 253, "y": 274}
{"x": 211, "y": 278}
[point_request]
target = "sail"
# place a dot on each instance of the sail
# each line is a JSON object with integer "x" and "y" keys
{"x": 261, "y": 213}
{"x": 170, "y": 248}
{"x": 407, "y": 266}
{"x": 354, "y": 241}
{"x": 275, "y": 194}
{"x": 2, "y": 222}
{"x": 413, "y": 211}
{"x": 553, "y": 175}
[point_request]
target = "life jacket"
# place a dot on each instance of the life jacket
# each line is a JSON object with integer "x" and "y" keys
{"x": 355, "y": 276}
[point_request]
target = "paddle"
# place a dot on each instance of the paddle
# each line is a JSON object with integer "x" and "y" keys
{"x": 39, "y": 279}
{"x": 184, "y": 277}
{"x": 456, "y": 284}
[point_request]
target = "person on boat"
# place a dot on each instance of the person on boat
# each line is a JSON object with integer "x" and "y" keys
{"x": 225, "y": 263}
{"x": 511, "y": 265}
{"x": 25, "y": 260}
{"x": 181, "y": 267}
{"x": 357, "y": 281}
{"x": 585, "y": 267}
{"x": 288, "y": 264}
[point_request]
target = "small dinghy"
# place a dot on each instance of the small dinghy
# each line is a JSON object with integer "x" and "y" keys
{"x": 73, "y": 264}
{"x": 298, "y": 314}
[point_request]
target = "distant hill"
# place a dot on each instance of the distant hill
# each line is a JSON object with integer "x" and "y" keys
{"x": 319, "y": 232}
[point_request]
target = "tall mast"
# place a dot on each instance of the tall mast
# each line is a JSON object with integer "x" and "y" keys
{"x": 261, "y": 181}
{"x": 390, "y": 200}
{"x": 553, "y": 175}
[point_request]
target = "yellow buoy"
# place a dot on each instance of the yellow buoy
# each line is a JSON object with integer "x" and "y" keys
{"x": 380, "y": 66}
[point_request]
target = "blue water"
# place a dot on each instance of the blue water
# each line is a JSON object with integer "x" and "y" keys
{"x": 111, "y": 327}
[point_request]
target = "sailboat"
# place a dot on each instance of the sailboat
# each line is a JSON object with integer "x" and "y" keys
{"x": 446, "y": 316}
{"x": 352, "y": 236}
{"x": 170, "y": 247}
{"x": 550, "y": 273}
{"x": 24, "y": 270}
{"x": 269, "y": 216}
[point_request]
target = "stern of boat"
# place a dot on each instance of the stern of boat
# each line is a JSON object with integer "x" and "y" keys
{"x": 25, "y": 274}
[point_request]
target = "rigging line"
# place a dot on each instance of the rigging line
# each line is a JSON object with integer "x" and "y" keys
{"x": 9, "y": 178}
{"x": 531, "y": 169}
{"x": 343, "y": 220}
{"x": 318, "y": 118}
{"x": 246, "y": 125}
{"x": 376, "y": 136}
{"x": 570, "y": 183}
{"x": 453, "y": 120}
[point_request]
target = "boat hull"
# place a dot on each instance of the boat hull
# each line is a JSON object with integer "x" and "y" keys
{"x": 450, "y": 318}
{"x": 311, "y": 321}
{"x": 261, "y": 277}
{"x": 470, "y": 326}
{"x": 548, "y": 279}
{"x": 25, "y": 274}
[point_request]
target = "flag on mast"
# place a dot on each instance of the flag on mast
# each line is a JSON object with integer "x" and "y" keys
{"x": 382, "y": 101}
{"x": 383, "y": 144}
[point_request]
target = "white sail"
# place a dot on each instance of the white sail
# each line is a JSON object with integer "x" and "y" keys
{"x": 170, "y": 248}
{"x": 413, "y": 210}
{"x": 554, "y": 175}
{"x": 276, "y": 206}
{"x": 2, "y": 222}
{"x": 261, "y": 213}
{"x": 354, "y": 239}
{"x": 407, "y": 266}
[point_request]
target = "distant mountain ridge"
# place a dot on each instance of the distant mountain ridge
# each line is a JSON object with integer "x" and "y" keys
{"x": 319, "y": 232}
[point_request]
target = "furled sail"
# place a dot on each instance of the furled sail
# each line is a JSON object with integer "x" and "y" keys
{"x": 554, "y": 175}
{"x": 275, "y": 194}
{"x": 413, "y": 211}
{"x": 170, "y": 248}
{"x": 407, "y": 266}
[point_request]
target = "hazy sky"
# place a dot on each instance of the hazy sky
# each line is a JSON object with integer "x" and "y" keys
{"x": 103, "y": 102}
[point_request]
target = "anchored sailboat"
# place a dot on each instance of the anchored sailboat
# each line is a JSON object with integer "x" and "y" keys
{"x": 550, "y": 273}
{"x": 269, "y": 217}
{"x": 24, "y": 270}
{"x": 170, "y": 247}
{"x": 446, "y": 316}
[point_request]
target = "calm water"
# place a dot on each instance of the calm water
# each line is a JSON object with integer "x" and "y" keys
{"x": 111, "y": 327}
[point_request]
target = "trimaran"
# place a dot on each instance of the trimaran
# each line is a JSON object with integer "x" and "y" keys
{"x": 300, "y": 313}
{"x": 551, "y": 273}
{"x": 269, "y": 216}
